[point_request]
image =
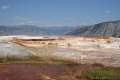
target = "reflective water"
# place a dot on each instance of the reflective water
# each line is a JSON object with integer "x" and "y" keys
{"x": 12, "y": 49}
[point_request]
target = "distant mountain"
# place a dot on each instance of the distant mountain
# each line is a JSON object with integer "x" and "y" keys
{"x": 34, "y": 30}
{"x": 111, "y": 28}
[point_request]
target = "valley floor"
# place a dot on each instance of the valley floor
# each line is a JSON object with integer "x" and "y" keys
{"x": 56, "y": 62}
{"x": 37, "y": 71}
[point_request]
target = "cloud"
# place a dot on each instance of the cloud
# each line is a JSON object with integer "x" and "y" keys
{"x": 23, "y": 18}
{"x": 4, "y": 7}
{"x": 107, "y": 11}
{"x": 26, "y": 20}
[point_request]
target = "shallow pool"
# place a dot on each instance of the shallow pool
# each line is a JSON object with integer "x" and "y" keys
{"x": 12, "y": 49}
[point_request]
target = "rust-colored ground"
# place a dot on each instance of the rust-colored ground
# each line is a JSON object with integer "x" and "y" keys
{"x": 37, "y": 71}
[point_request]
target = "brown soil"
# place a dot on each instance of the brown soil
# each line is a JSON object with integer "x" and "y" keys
{"x": 37, "y": 71}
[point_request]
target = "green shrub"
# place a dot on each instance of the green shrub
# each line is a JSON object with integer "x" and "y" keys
{"x": 61, "y": 61}
{"x": 102, "y": 73}
{"x": 15, "y": 58}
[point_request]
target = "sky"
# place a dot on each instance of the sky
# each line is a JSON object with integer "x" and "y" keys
{"x": 58, "y": 12}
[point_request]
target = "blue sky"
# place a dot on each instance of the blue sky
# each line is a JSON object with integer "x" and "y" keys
{"x": 58, "y": 12}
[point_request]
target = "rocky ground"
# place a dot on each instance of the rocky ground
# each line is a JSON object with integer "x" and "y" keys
{"x": 55, "y": 63}
{"x": 36, "y": 71}
{"x": 107, "y": 57}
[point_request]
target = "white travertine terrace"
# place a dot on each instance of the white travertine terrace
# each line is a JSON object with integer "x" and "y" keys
{"x": 71, "y": 42}
{"x": 92, "y": 50}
